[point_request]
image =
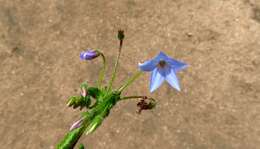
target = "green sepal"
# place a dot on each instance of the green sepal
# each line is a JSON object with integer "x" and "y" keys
{"x": 71, "y": 138}
{"x": 87, "y": 101}
{"x": 84, "y": 85}
{"x": 93, "y": 92}
{"x": 76, "y": 101}
{"x": 102, "y": 111}
{"x": 97, "y": 121}
{"x": 89, "y": 115}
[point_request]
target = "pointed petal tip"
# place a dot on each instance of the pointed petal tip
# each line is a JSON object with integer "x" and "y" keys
{"x": 172, "y": 80}
{"x": 147, "y": 65}
{"x": 162, "y": 53}
{"x": 152, "y": 90}
{"x": 178, "y": 89}
{"x": 156, "y": 80}
{"x": 153, "y": 87}
{"x": 185, "y": 65}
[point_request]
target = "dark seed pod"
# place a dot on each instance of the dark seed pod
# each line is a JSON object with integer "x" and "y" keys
{"x": 144, "y": 105}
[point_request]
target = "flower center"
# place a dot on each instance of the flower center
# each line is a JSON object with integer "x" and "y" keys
{"x": 161, "y": 64}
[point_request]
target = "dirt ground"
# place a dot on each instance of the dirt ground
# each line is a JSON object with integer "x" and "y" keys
{"x": 218, "y": 107}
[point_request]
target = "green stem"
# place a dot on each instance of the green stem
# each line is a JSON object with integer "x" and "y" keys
{"x": 130, "y": 81}
{"x": 115, "y": 67}
{"x": 131, "y": 97}
{"x": 102, "y": 71}
{"x": 71, "y": 138}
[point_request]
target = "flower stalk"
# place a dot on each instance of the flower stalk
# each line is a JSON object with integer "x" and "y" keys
{"x": 133, "y": 97}
{"x": 102, "y": 71}
{"x": 121, "y": 38}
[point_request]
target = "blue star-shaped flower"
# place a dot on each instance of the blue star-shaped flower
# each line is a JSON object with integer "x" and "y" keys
{"x": 163, "y": 68}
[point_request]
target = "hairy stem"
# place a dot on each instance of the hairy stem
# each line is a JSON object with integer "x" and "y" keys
{"x": 132, "y": 97}
{"x": 120, "y": 36}
{"x": 115, "y": 67}
{"x": 102, "y": 71}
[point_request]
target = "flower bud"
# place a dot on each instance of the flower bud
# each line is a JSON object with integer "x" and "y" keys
{"x": 120, "y": 35}
{"x": 89, "y": 54}
{"x": 143, "y": 105}
{"x": 84, "y": 88}
{"x": 83, "y": 92}
{"x": 76, "y": 124}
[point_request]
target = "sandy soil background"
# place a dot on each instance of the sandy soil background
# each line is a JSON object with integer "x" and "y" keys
{"x": 218, "y": 107}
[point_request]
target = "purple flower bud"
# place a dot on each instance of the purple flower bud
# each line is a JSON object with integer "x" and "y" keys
{"x": 76, "y": 124}
{"x": 83, "y": 92}
{"x": 89, "y": 54}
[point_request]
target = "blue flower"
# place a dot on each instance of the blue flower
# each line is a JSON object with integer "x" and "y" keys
{"x": 163, "y": 68}
{"x": 89, "y": 54}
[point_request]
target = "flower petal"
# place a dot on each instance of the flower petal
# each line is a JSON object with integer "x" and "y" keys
{"x": 156, "y": 80}
{"x": 172, "y": 79}
{"x": 89, "y": 54}
{"x": 147, "y": 65}
{"x": 160, "y": 56}
{"x": 82, "y": 55}
{"x": 176, "y": 65}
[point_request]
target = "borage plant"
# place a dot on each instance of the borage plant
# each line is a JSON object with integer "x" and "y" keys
{"x": 162, "y": 68}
